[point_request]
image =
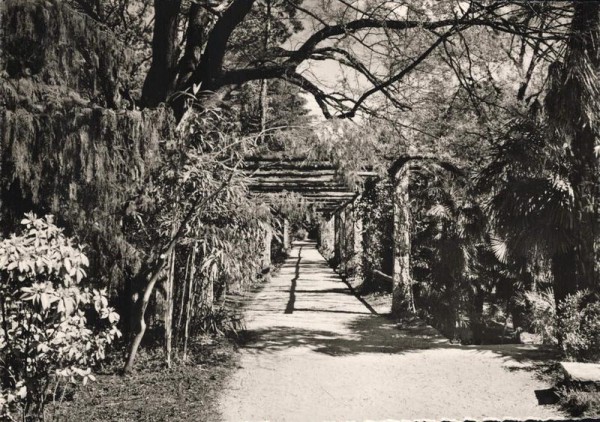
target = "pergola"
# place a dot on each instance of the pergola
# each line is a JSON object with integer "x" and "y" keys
{"x": 340, "y": 232}
{"x": 318, "y": 182}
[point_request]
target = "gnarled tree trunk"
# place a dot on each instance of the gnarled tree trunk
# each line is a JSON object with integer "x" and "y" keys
{"x": 160, "y": 80}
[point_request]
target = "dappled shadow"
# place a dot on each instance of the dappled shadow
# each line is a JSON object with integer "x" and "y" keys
{"x": 342, "y": 291}
{"x": 364, "y": 334}
{"x": 378, "y": 334}
{"x": 295, "y": 312}
{"x": 333, "y": 347}
{"x": 332, "y": 311}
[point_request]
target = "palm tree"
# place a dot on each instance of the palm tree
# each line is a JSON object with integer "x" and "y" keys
{"x": 531, "y": 200}
{"x": 573, "y": 109}
{"x": 448, "y": 232}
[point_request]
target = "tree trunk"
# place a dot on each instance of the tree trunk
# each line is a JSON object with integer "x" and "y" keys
{"x": 195, "y": 40}
{"x": 160, "y": 80}
{"x": 169, "y": 310}
{"x": 152, "y": 270}
{"x": 402, "y": 295}
{"x": 183, "y": 297}
{"x": 149, "y": 280}
{"x": 477, "y": 317}
{"x": 264, "y": 84}
{"x": 564, "y": 270}
{"x": 189, "y": 302}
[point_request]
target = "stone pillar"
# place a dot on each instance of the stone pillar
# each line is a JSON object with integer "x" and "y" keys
{"x": 357, "y": 235}
{"x": 286, "y": 235}
{"x": 348, "y": 235}
{"x": 402, "y": 296}
{"x": 327, "y": 238}
{"x": 266, "y": 258}
{"x": 338, "y": 249}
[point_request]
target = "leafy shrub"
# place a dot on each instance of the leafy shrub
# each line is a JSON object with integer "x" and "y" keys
{"x": 46, "y": 341}
{"x": 542, "y": 314}
{"x": 220, "y": 321}
{"x": 579, "y": 403}
{"x": 301, "y": 234}
{"x": 578, "y": 327}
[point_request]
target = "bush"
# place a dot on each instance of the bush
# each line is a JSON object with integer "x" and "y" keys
{"x": 301, "y": 234}
{"x": 541, "y": 314}
{"x": 220, "y": 321}
{"x": 578, "y": 327}
{"x": 579, "y": 403}
{"x": 46, "y": 342}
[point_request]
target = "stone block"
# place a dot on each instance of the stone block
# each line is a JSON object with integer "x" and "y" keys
{"x": 581, "y": 372}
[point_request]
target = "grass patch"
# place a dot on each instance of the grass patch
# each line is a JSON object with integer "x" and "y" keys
{"x": 580, "y": 402}
{"x": 186, "y": 392}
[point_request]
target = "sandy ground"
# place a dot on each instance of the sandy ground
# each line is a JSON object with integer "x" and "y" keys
{"x": 316, "y": 353}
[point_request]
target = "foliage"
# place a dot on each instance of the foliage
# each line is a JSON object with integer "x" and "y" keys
{"x": 530, "y": 199}
{"x": 580, "y": 402}
{"x": 54, "y": 330}
{"x": 219, "y": 321}
{"x": 295, "y": 208}
{"x": 301, "y": 234}
{"x": 542, "y": 314}
{"x": 183, "y": 392}
{"x": 285, "y": 112}
{"x": 375, "y": 208}
{"x": 578, "y": 327}
{"x": 220, "y": 245}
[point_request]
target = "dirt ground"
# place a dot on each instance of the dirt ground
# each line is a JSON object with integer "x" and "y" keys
{"x": 315, "y": 352}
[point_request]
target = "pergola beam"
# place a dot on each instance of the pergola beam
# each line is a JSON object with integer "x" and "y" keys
{"x": 318, "y": 182}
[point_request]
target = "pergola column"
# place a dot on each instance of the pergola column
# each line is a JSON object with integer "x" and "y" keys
{"x": 402, "y": 295}
{"x": 266, "y": 258}
{"x": 338, "y": 251}
{"x": 286, "y": 235}
{"x": 348, "y": 236}
{"x": 327, "y": 237}
{"x": 357, "y": 236}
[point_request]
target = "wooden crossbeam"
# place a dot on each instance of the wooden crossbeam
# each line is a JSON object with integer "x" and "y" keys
{"x": 318, "y": 182}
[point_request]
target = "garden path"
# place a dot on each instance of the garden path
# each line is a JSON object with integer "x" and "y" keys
{"x": 315, "y": 352}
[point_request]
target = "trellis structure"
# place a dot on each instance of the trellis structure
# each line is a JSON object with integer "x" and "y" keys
{"x": 340, "y": 233}
{"x": 317, "y": 181}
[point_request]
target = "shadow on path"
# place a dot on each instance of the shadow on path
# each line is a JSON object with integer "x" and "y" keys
{"x": 328, "y": 321}
{"x": 289, "y": 309}
{"x": 367, "y": 333}
{"x": 312, "y": 351}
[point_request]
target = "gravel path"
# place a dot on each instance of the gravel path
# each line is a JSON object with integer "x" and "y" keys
{"x": 316, "y": 353}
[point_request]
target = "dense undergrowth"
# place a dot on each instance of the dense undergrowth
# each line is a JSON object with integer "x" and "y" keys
{"x": 187, "y": 391}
